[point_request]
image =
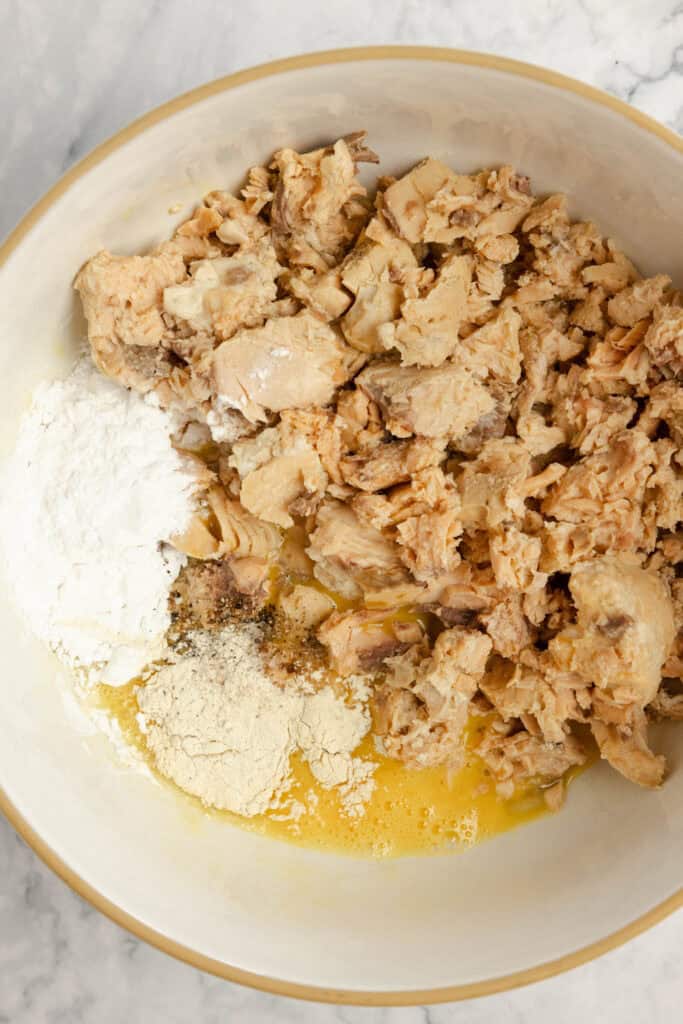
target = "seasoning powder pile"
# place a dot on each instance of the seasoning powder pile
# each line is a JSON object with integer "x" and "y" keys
{"x": 224, "y": 732}
{"x": 91, "y": 491}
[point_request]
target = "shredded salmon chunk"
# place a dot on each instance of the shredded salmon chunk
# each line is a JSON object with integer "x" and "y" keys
{"x": 390, "y": 463}
{"x": 378, "y": 273}
{"x": 122, "y": 300}
{"x": 350, "y": 555}
{"x": 227, "y": 292}
{"x": 358, "y": 641}
{"x": 224, "y": 528}
{"x": 443, "y": 423}
{"x": 446, "y": 401}
{"x": 625, "y": 627}
{"x": 427, "y": 332}
{"x": 314, "y": 211}
{"x": 517, "y": 757}
{"x": 290, "y": 362}
{"x": 422, "y": 708}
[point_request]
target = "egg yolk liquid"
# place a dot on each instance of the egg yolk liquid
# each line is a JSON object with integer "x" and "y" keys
{"x": 410, "y": 811}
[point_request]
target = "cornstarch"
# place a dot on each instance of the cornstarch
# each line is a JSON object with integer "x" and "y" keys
{"x": 89, "y": 496}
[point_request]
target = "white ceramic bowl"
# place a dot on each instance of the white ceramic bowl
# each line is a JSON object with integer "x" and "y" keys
{"x": 528, "y": 904}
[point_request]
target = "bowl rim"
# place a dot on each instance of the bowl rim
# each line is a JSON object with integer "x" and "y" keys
{"x": 277, "y": 986}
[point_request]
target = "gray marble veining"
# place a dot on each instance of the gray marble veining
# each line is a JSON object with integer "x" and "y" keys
{"x": 72, "y": 74}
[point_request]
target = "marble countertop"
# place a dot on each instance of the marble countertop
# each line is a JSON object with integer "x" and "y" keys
{"x": 72, "y": 74}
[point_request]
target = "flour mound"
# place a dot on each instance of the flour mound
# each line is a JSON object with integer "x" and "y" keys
{"x": 224, "y": 732}
{"x": 91, "y": 491}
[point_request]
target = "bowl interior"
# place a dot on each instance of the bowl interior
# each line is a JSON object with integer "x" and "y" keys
{"x": 321, "y": 920}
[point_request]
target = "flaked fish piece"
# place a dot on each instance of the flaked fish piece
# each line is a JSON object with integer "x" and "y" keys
{"x": 122, "y": 301}
{"x": 222, "y": 527}
{"x": 444, "y": 401}
{"x": 428, "y": 489}
{"x": 664, "y": 495}
{"x": 360, "y": 420}
{"x": 493, "y": 349}
{"x": 323, "y": 293}
{"x": 305, "y": 607}
{"x": 602, "y": 496}
{"x": 426, "y": 334}
{"x": 361, "y": 641}
{"x": 226, "y": 293}
{"x": 561, "y": 250}
{"x": 590, "y": 422}
{"x": 664, "y": 339}
{"x": 498, "y": 248}
{"x": 391, "y": 463}
{"x": 516, "y": 757}
{"x": 664, "y": 406}
{"x": 350, "y": 555}
{"x": 203, "y": 222}
{"x": 291, "y": 483}
{"x": 539, "y": 437}
{"x": 625, "y": 746}
{"x": 514, "y": 559}
{"x": 281, "y": 475}
{"x": 492, "y": 485}
{"x": 545, "y": 700}
{"x": 488, "y": 284}
{"x": 508, "y": 627}
{"x": 463, "y": 594}
{"x": 624, "y": 629}
{"x": 617, "y": 472}
{"x": 619, "y": 362}
{"x": 588, "y": 314}
{"x": 614, "y": 274}
{"x": 314, "y": 212}
{"x": 317, "y": 428}
{"x": 638, "y": 300}
{"x": 238, "y": 225}
{"x": 375, "y": 273}
{"x": 434, "y": 204}
{"x": 322, "y": 430}
{"x": 405, "y": 201}
{"x": 423, "y": 517}
{"x": 422, "y": 709}
{"x": 290, "y": 363}
{"x": 429, "y": 541}
{"x": 547, "y": 215}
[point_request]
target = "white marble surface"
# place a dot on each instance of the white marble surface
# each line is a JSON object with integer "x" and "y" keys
{"x": 72, "y": 74}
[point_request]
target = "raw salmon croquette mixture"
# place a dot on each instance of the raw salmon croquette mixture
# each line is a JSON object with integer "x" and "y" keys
{"x": 437, "y": 429}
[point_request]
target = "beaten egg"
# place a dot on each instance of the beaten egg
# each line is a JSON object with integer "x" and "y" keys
{"x": 410, "y": 811}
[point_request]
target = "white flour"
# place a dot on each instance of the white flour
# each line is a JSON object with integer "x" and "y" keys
{"x": 222, "y": 731}
{"x": 91, "y": 491}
